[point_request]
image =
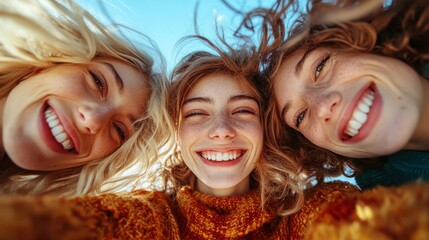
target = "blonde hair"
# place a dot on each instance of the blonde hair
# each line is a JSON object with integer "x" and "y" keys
{"x": 273, "y": 174}
{"x": 399, "y": 29}
{"x": 46, "y": 33}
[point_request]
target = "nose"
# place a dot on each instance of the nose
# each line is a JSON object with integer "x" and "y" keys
{"x": 222, "y": 128}
{"x": 92, "y": 118}
{"x": 326, "y": 104}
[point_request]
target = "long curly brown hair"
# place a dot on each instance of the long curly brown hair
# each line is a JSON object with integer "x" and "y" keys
{"x": 275, "y": 175}
{"x": 397, "y": 29}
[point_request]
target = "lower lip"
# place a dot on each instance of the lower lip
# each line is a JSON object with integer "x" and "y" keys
{"x": 46, "y": 134}
{"x": 222, "y": 163}
{"x": 373, "y": 115}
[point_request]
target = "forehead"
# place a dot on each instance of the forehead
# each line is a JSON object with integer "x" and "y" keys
{"x": 219, "y": 85}
{"x": 289, "y": 63}
{"x": 286, "y": 76}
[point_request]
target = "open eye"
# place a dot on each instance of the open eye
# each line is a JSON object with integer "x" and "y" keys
{"x": 321, "y": 65}
{"x": 99, "y": 81}
{"x": 300, "y": 118}
{"x": 119, "y": 129}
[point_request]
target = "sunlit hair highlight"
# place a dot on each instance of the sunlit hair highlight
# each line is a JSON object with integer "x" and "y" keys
{"x": 39, "y": 34}
{"x": 275, "y": 175}
{"x": 397, "y": 29}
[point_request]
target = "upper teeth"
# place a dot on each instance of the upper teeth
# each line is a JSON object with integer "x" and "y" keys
{"x": 57, "y": 129}
{"x": 359, "y": 115}
{"x": 221, "y": 156}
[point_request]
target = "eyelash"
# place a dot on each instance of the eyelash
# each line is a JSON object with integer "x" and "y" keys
{"x": 99, "y": 82}
{"x": 321, "y": 65}
{"x": 245, "y": 111}
{"x": 193, "y": 114}
{"x": 240, "y": 111}
{"x": 300, "y": 118}
{"x": 120, "y": 131}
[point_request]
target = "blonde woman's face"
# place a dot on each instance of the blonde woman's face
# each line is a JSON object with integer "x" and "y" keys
{"x": 69, "y": 115}
{"x": 354, "y": 104}
{"x": 221, "y": 134}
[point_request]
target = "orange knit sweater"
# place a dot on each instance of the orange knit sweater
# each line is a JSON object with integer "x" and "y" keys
{"x": 202, "y": 216}
{"x": 331, "y": 211}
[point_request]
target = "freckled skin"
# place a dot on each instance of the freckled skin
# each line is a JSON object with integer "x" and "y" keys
{"x": 327, "y": 94}
{"x": 215, "y": 119}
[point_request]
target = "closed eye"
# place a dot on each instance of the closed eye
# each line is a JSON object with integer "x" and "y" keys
{"x": 119, "y": 129}
{"x": 194, "y": 113}
{"x": 244, "y": 111}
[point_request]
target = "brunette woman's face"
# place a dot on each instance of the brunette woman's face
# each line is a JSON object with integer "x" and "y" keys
{"x": 221, "y": 134}
{"x": 354, "y": 104}
{"x": 68, "y": 115}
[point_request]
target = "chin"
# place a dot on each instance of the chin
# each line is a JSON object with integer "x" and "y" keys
{"x": 27, "y": 161}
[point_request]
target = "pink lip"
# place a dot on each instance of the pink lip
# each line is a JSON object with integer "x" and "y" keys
{"x": 222, "y": 163}
{"x": 49, "y": 139}
{"x": 373, "y": 115}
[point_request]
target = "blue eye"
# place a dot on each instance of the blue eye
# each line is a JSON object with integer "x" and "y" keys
{"x": 300, "y": 118}
{"x": 321, "y": 65}
{"x": 120, "y": 131}
{"x": 99, "y": 82}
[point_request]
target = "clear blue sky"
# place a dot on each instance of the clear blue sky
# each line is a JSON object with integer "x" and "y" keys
{"x": 166, "y": 21}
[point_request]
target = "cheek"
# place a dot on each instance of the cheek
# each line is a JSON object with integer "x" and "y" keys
{"x": 253, "y": 131}
{"x": 101, "y": 147}
{"x": 139, "y": 103}
{"x": 189, "y": 130}
{"x": 316, "y": 135}
{"x": 186, "y": 135}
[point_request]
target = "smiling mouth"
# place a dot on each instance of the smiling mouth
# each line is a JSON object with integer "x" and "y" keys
{"x": 221, "y": 156}
{"x": 57, "y": 130}
{"x": 360, "y": 114}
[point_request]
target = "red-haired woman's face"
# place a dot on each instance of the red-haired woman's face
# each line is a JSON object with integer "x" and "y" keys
{"x": 354, "y": 104}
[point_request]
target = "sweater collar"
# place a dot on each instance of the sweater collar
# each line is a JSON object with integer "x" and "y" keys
{"x": 221, "y": 216}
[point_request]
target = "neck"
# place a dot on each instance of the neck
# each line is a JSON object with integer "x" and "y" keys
{"x": 420, "y": 138}
{"x": 240, "y": 188}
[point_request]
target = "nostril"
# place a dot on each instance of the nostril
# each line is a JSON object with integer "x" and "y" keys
{"x": 333, "y": 106}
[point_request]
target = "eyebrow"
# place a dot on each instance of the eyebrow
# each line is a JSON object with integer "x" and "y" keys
{"x": 197, "y": 99}
{"x": 115, "y": 74}
{"x": 298, "y": 67}
{"x": 242, "y": 97}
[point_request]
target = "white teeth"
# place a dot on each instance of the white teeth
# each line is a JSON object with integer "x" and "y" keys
{"x": 57, "y": 129}
{"x": 219, "y": 156}
{"x": 355, "y": 124}
{"x": 359, "y": 115}
{"x": 364, "y": 107}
